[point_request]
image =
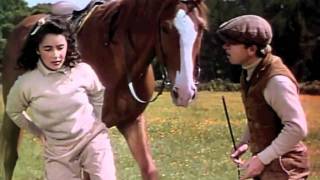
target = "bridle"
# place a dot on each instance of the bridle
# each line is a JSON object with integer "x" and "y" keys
{"x": 164, "y": 74}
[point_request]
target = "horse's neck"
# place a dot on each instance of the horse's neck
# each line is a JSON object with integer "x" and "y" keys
{"x": 146, "y": 10}
{"x": 128, "y": 29}
{"x": 141, "y": 21}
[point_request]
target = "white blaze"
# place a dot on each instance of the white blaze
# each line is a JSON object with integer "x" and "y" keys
{"x": 184, "y": 78}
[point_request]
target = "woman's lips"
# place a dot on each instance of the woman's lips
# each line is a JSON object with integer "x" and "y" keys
{"x": 56, "y": 63}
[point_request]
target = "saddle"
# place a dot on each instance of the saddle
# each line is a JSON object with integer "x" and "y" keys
{"x": 73, "y": 16}
{"x": 81, "y": 13}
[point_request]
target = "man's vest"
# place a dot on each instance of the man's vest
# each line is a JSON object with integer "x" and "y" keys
{"x": 263, "y": 122}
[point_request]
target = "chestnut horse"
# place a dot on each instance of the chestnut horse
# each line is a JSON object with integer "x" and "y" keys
{"x": 119, "y": 40}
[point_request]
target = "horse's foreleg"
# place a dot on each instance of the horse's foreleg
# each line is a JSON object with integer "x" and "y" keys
{"x": 9, "y": 137}
{"x": 136, "y": 136}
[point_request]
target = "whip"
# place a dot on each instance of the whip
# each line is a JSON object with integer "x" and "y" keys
{"x": 230, "y": 130}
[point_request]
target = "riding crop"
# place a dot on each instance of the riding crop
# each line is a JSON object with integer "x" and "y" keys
{"x": 230, "y": 130}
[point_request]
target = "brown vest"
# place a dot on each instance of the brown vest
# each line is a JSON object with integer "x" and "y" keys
{"x": 264, "y": 124}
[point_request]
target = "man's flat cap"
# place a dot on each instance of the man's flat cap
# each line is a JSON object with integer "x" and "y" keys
{"x": 247, "y": 29}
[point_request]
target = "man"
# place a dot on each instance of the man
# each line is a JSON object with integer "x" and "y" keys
{"x": 276, "y": 121}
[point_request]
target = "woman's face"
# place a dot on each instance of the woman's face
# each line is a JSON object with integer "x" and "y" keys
{"x": 53, "y": 50}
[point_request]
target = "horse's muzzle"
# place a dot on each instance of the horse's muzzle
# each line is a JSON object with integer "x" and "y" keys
{"x": 182, "y": 97}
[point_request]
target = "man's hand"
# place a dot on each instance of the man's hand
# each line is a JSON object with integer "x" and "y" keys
{"x": 236, "y": 154}
{"x": 252, "y": 168}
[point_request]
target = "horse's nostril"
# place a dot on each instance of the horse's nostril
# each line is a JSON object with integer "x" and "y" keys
{"x": 175, "y": 93}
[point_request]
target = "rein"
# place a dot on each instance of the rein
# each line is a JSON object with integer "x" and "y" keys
{"x": 163, "y": 75}
{"x": 191, "y": 4}
{"x": 129, "y": 78}
{"x": 135, "y": 96}
{"x": 81, "y": 21}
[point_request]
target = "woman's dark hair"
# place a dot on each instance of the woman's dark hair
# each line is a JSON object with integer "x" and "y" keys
{"x": 53, "y": 25}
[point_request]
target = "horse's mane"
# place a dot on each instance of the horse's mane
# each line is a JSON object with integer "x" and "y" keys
{"x": 146, "y": 8}
{"x": 146, "y": 11}
{"x": 203, "y": 10}
{"x": 140, "y": 16}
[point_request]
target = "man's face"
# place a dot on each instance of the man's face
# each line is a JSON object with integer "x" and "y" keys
{"x": 237, "y": 53}
{"x": 241, "y": 54}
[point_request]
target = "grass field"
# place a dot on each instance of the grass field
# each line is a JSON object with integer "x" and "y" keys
{"x": 190, "y": 144}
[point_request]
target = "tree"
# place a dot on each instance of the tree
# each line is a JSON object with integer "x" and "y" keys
{"x": 296, "y": 28}
{"x": 11, "y": 13}
{"x": 309, "y": 42}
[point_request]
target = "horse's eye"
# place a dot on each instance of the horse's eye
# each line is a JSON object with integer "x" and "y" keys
{"x": 165, "y": 30}
{"x": 166, "y": 27}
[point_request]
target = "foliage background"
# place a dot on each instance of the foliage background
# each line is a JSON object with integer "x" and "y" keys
{"x": 296, "y": 28}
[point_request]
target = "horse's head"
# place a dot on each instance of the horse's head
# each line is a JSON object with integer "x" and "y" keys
{"x": 179, "y": 40}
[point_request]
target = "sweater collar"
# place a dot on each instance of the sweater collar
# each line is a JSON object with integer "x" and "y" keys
{"x": 45, "y": 71}
{"x": 250, "y": 68}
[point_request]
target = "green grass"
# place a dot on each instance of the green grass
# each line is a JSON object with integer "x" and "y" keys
{"x": 187, "y": 143}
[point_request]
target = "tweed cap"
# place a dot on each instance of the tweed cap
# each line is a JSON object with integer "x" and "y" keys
{"x": 247, "y": 29}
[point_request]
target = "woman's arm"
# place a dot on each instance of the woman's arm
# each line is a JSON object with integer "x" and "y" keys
{"x": 17, "y": 103}
{"x": 95, "y": 92}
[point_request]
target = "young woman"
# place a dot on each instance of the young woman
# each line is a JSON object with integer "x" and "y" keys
{"x": 64, "y": 97}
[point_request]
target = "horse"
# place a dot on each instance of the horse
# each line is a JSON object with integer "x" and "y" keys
{"x": 120, "y": 39}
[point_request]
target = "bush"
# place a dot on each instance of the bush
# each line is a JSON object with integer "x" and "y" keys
{"x": 213, "y": 85}
{"x": 219, "y": 85}
{"x": 312, "y": 87}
